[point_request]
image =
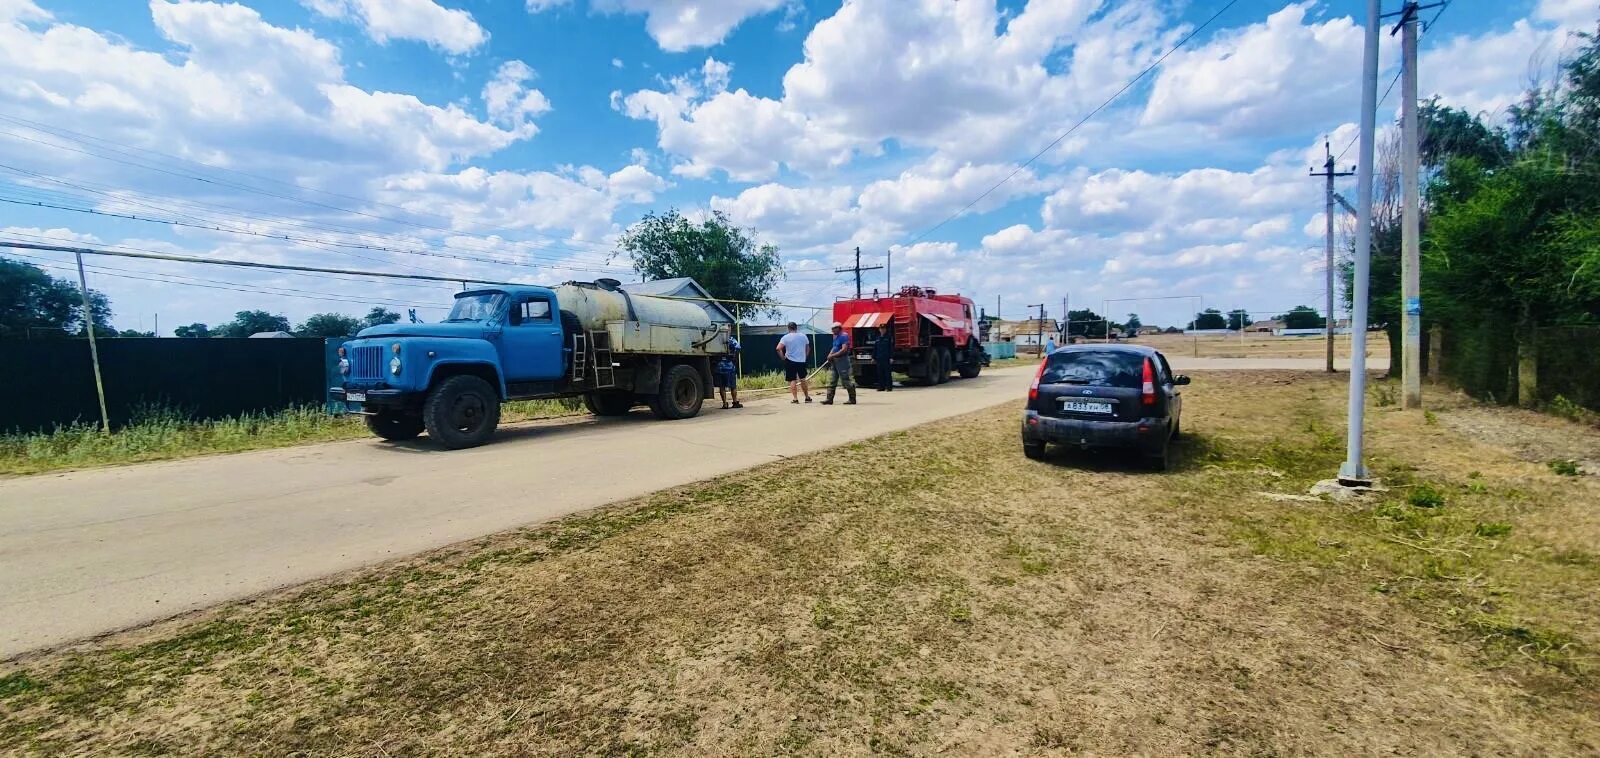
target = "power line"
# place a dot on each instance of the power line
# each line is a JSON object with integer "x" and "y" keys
{"x": 1125, "y": 87}
{"x": 1425, "y": 27}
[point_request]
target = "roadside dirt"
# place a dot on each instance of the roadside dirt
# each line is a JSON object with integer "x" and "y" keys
{"x": 923, "y": 592}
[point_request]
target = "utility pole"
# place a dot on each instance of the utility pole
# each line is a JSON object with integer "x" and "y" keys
{"x": 888, "y": 273}
{"x": 1039, "y": 325}
{"x": 1331, "y": 174}
{"x": 1354, "y": 471}
{"x": 858, "y": 268}
{"x": 1411, "y": 217}
{"x": 94, "y": 348}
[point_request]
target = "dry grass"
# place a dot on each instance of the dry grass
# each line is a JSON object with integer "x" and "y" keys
{"x": 926, "y": 591}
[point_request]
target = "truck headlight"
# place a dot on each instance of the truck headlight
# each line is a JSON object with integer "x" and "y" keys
{"x": 344, "y": 366}
{"x": 394, "y": 365}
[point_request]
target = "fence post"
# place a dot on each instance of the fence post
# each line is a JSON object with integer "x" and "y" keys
{"x": 94, "y": 347}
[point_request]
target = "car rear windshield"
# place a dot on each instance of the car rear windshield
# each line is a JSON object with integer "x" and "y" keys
{"x": 1094, "y": 368}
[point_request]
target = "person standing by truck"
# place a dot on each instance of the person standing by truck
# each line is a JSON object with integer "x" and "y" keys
{"x": 794, "y": 349}
{"x": 883, "y": 357}
{"x": 839, "y": 363}
{"x": 726, "y": 376}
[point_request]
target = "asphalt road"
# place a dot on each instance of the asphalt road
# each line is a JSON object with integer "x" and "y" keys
{"x": 89, "y": 552}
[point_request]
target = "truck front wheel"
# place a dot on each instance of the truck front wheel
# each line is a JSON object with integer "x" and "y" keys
{"x": 609, "y": 402}
{"x": 461, "y": 412}
{"x": 974, "y": 363}
{"x": 946, "y": 363}
{"x": 395, "y": 425}
{"x": 681, "y": 394}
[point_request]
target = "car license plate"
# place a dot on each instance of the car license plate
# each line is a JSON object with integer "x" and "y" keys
{"x": 355, "y": 397}
{"x": 1081, "y": 406}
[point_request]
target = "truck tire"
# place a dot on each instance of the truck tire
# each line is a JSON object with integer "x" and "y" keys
{"x": 461, "y": 412}
{"x": 609, "y": 402}
{"x": 395, "y": 426}
{"x": 946, "y": 362}
{"x": 973, "y": 364}
{"x": 925, "y": 372}
{"x": 682, "y": 392}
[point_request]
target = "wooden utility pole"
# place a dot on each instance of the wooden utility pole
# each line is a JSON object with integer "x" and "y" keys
{"x": 94, "y": 347}
{"x": 858, "y": 268}
{"x": 1039, "y": 325}
{"x": 1331, "y": 174}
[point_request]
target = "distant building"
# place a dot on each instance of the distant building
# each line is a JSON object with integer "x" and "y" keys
{"x": 271, "y": 336}
{"x": 684, "y": 287}
{"x": 1270, "y": 327}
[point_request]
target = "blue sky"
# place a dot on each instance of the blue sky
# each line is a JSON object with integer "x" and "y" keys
{"x": 445, "y": 135}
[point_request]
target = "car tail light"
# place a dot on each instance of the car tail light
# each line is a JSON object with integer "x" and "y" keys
{"x": 1033, "y": 391}
{"x": 1148, "y": 389}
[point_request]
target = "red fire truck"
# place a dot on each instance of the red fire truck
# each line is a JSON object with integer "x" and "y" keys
{"x": 933, "y": 334}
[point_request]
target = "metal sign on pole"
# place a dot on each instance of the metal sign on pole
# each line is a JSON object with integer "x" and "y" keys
{"x": 1354, "y": 471}
{"x": 94, "y": 348}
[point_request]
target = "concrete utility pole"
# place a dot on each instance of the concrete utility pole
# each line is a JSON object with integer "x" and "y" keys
{"x": 1353, "y": 471}
{"x": 1331, "y": 174}
{"x": 1411, "y": 218}
{"x": 858, "y": 268}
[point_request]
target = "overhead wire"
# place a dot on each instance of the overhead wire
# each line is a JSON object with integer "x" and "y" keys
{"x": 1425, "y": 27}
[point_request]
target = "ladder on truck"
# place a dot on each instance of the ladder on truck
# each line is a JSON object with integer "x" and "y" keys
{"x": 905, "y": 312}
{"x": 591, "y": 353}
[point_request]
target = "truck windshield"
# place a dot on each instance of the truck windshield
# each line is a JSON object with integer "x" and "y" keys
{"x": 476, "y": 307}
{"x": 1094, "y": 368}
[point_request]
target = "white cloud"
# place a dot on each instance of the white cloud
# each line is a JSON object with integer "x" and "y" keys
{"x": 509, "y": 99}
{"x": 449, "y": 29}
{"x": 793, "y": 217}
{"x": 1577, "y": 14}
{"x": 1283, "y": 74}
{"x": 582, "y": 199}
{"x": 1487, "y": 73}
{"x": 679, "y": 25}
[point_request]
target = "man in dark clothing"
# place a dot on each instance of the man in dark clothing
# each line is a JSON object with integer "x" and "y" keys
{"x": 883, "y": 358}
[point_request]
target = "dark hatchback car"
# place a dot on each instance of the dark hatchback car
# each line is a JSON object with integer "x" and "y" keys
{"x": 1104, "y": 396}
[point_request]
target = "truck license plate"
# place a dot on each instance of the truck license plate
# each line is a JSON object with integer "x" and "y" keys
{"x": 355, "y": 397}
{"x": 1080, "y": 406}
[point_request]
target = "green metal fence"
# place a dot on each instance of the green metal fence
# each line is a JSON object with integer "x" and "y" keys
{"x": 46, "y": 383}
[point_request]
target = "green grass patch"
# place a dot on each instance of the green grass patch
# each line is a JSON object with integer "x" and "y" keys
{"x": 1565, "y": 467}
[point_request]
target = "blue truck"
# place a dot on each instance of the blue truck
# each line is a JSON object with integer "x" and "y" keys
{"x": 580, "y": 339}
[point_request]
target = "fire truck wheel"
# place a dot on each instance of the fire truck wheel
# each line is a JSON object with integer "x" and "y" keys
{"x": 946, "y": 362}
{"x": 973, "y": 364}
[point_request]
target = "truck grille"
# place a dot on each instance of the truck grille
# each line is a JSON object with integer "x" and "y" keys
{"x": 366, "y": 363}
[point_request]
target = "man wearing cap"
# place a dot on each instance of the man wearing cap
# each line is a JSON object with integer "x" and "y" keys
{"x": 839, "y": 362}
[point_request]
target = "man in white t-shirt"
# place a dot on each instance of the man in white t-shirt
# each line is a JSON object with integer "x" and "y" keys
{"x": 794, "y": 348}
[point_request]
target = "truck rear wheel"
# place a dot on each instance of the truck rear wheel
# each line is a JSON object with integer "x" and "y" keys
{"x": 609, "y": 402}
{"x": 395, "y": 425}
{"x": 461, "y": 412}
{"x": 946, "y": 362}
{"x": 681, "y": 394}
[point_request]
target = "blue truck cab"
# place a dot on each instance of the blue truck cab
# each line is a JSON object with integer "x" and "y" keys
{"x": 506, "y": 343}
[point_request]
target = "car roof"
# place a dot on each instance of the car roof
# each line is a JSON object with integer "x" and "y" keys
{"x": 1107, "y": 348}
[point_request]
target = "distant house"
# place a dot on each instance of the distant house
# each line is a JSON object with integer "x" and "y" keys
{"x": 271, "y": 336}
{"x": 1148, "y": 330}
{"x": 1271, "y": 327}
{"x": 687, "y": 287}
{"x": 1030, "y": 332}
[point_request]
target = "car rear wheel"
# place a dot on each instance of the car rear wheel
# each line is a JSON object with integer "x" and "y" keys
{"x": 461, "y": 412}
{"x": 681, "y": 394}
{"x": 1033, "y": 450}
{"x": 395, "y": 426}
{"x": 1161, "y": 459}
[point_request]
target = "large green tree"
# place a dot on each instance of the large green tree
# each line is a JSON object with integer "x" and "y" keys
{"x": 379, "y": 316}
{"x": 194, "y": 330}
{"x": 1302, "y": 317}
{"x": 329, "y": 325}
{"x": 1086, "y": 323}
{"x": 33, "y": 303}
{"x": 1210, "y": 318}
{"x": 728, "y": 261}
{"x": 246, "y": 323}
